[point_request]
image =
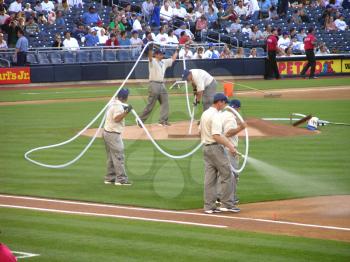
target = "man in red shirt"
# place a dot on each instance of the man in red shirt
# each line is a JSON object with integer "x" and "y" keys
{"x": 272, "y": 48}
{"x": 309, "y": 45}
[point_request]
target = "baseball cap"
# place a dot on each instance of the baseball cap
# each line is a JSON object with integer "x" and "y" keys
{"x": 234, "y": 103}
{"x": 220, "y": 97}
{"x": 285, "y": 33}
{"x": 158, "y": 51}
{"x": 210, "y": 44}
{"x": 123, "y": 93}
{"x": 185, "y": 74}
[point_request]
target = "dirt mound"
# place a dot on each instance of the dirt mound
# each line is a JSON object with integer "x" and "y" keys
{"x": 180, "y": 130}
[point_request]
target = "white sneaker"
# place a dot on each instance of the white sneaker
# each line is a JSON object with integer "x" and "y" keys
{"x": 212, "y": 211}
{"x": 232, "y": 209}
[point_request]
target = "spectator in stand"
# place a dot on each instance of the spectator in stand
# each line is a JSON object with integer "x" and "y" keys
{"x": 297, "y": 47}
{"x": 31, "y": 27}
{"x": 226, "y": 52}
{"x": 292, "y": 32}
{"x": 212, "y": 18}
{"x": 199, "y": 12}
{"x": 241, "y": 10}
{"x": 15, "y": 6}
{"x": 199, "y": 53}
{"x": 112, "y": 41}
{"x": 211, "y": 53}
{"x": 63, "y": 6}
{"x": 183, "y": 27}
{"x": 240, "y": 53}
{"x": 125, "y": 24}
{"x": 51, "y": 17}
{"x": 211, "y": 4}
{"x": 323, "y": 50}
{"x": 22, "y": 46}
{"x": 102, "y": 37}
{"x": 115, "y": 22}
{"x": 285, "y": 41}
{"x": 42, "y": 19}
{"x": 229, "y": 14}
{"x": 326, "y": 13}
{"x": 172, "y": 38}
{"x": 3, "y": 16}
{"x": 136, "y": 26}
{"x": 147, "y": 9}
{"x": 253, "y": 53}
{"x": 282, "y": 8}
{"x": 70, "y": 43}
{"x": 79, "y": 32}
{"x": 3, "y": 4}
{"x": 91, "y": 39}
{"x": 136, "y": 44}
{"x": 21, "y": 22}
{"x": 296, "y": 18}
{"x": 301, "y": 35}
{"x": 11, "y": 31}
{"x": 37, "y": 7}
{"x": 186, "y": 53}
{"x": 329, "y": 24}
{"x": 201, "y": 27}
{"x": 234, "y": 27}
{"x": 60, "y": 22}
{"x": 91, "y": 17}
{"x": 256, "y": 34}
{"x": 253, "y": 9}
{"x": 148, "y": 29}
{"x": 340, "y": 23}
{"x": 148, "y": 38}
{"x": 58, "y": 41}
{"x": 288, "y": 52}
{"x": 28, "y": 11}
{"x": 303, "y": 16}
{"x": 162, "y": 37}
{"x": 3, "y": 44}
{"x": 179, "y": 12}
{"x": 265, "y": 6}
{"x": 123, "y": 40}
{"x": 267, "y": 31}
{"x": 273, "y": 15}
{"x": 166, "y": 12}
{"x": 247, "y": 29}
{"x": 47, "y": 6}
{"x": 76, "y": 3}
{"x": 184, "y": 38}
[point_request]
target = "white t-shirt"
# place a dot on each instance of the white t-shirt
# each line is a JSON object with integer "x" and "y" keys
{"x": 157, "y": 69}
{"x": 166, "y": 15}
{"x": 341, "y": 25}
{"x": 187, "y": 55}
{"x": 283, "y": 42}
{"x": 196, "y": 56}
{"x": 71, "y": 44}
{"x": 136, "y": 26}
{"x": 172, "y": 39}
{"x": 181, "y": 12}
{"x": 15, "y": 7}
{"x": 210, "y": 125}
{"x": 201, "y": 78}
{"x": 211, "y": 54}
{"x": 241, "y": 11}
{"x": 102, "y": 39}
{"x": 116, "y": 108}
{"x": 49, "y": 6}
{"x": 229, "y": 122}
{"x": 161, "y": 38}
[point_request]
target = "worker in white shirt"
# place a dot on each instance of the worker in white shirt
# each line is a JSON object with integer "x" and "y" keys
{"x": 203, "y": 84}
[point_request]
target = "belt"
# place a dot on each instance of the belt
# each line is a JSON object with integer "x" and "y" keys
{"x": 212, "y": 144}
{"x": 111, "y": 132}
{"x": 158, "y": 82}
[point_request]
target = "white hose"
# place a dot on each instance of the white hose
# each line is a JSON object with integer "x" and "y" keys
{"x": 245, "y": 156}
{"x": 26, "y": 155}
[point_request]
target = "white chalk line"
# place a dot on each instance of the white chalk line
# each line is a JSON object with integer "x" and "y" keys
{"x": 178, "y": 212}
{"x": 114, "y": 216}
{"x": 296, "y": 90}
{"x": 24, "y": 254}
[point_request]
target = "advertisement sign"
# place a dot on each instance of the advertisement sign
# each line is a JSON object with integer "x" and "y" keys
{"x": 323, "y": 67}
{"x": 346, "y": 65}
{"x": 15, "y": 75}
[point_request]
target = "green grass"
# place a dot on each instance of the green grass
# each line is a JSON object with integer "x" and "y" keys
{"x": 58, "y": 237}
{"x": 141, "y": 89}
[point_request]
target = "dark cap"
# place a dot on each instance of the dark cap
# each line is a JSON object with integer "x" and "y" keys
{"x": 158, "y": 52}
{"x": 123, "y": 93}
{"x": 185, "y": 74}
{"x": 220, "y": 97}
{"x": 235, "y": 103}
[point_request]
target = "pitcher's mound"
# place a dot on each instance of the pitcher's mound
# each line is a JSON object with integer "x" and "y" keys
{"x": 180, "y": 131}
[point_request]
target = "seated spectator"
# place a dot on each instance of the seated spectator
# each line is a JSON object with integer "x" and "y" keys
{"x": 255, "y": 34}
{"x": 183, "y": 27}
{"x": 253, "y": 53}
{"x": 199, "y": 13}
{"x": 211, "y": 4}
{"x": 201, "y": 24}
{"x": 124, "y": 24}
{"x": 179, "y": 12}
{"x": 15, "y": 6}
{"x": 63, "y": 6}
{"x": 267, "y": 31}
{"x": 148, "y": 29}
{"x": 102, "y": 37}
{"x": 253, "y": 9}
{"x": 136, "y": 26}
{"x": 148, "y": 38}
{"x": 329, "y": 24}
{"x": 288, "y": 52}
{"x": 42, "y": 19}
{"x": 162, "y": 37}
{"x": 51, "y": 17}
{"x": 296, "y": 18}
{"x": 21, "y": 22}
{"x": 166, "y": 12}
{"x": 297, "y": 46}
{"x": 3, "y": 44}
{"x": 99, "y": 27}
{"x": 3, "y": 4}
{"x": 186, "y": 53}
{"x": 199, "y": 53}
{"x": 229, "y": 14}
{"x": 265, "y": 6}
{"x": 184, "y": 38}
{"x": 70, "y": 43}
{"x": 115, "y": 22}
{"x": 37, "y": 7}
{"x": 76, "y": 3}
{"x": 11, "y": 31}
{"x": 226, "y": 52}
{"x": 247, "y": 29}
{"x": 340, "y": 23}
{"x": 91, "y": 17}
{"x": 147, "y": 9}
{"x": 136, "y": 44}
{"x": 47, "y": 6}
{"x": 285, "y": 41}
{"x": 31, "y": 27}
{"x": 3, "y": 16}
{"x": 212, "y": 18}
{"x": 301, "y": 35}
{"x": 323, "y": 50}
{"x": 234, "y": 27}
{"x": 91, "y": 39}
{"x": 273, "y": 15}
{"x": 303, "y": 16}
{"x": 28, "y": 11}
{"x": 79, "y": 32}
{"x": 292, "y": 32}
{"x": 58, "y": 41}
{"x": 172, "y": 38}
{"x": 60, "y": 22}
{"x": 112, "y": 41}
{"x": 241, "y": 10}
{"x": 123, "y": 40}
{"x": 240, "y": 53}
{"x": 211, "y": 53}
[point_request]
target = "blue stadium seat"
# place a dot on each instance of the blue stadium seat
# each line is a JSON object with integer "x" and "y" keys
{"x": 83, "y": 56}
{"x": 55, "y": 57}
{"x": 110, "y": 55}
{"x": 42, "y": 58}
{"x": 31, "y": 58}
{"x": 96, "y": 56}
{"x": 68, "y": 57}
{"x": 124, "y": 55}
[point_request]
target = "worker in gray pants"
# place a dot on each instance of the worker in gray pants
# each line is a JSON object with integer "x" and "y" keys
{"x": 157, "y": 91}
{"x": 112, "y": 136}
{"x": 203, "y": 84}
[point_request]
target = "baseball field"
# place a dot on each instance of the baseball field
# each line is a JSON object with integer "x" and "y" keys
{"x": 294, "y": 192}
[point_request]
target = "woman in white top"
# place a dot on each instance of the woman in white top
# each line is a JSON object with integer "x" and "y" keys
{"x": 102, "y": 38}
{"x": 199, "y": 53}
{"x": 253, "y": 53}
{"x": 172, "y": 38}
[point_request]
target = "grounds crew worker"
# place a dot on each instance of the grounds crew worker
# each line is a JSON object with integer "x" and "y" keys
{"x": 203, "y": 84}
{"x": 309, "y": 46}
{"x": 272, "y": 48}
{"x": 231, "y": 130}
{"x": 217, "y": 164}
{"x": 112, "y": 136}
{"x": 157, "y": 91}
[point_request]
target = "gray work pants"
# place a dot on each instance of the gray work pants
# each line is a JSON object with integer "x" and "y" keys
{"x": 217, "y": 168}
{"x": 115, "y": 157}
{"x": 208, "y": 95}
{"x": 157, "y": 92}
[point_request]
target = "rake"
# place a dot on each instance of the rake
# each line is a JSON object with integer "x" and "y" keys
{"x": 266, "y": 94}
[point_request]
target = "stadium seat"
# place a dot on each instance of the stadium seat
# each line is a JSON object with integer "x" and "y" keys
{"x": 124, "y": 54}
{"x": 42, "y": 58}
{"x": 110, "y": 55}
{"x": 55, "y": 57}
{"x": 31, "y": 58}
{"x": 68, "y": 57}
{"x": 83, "y": 57}
{"x": 96, "y": 56}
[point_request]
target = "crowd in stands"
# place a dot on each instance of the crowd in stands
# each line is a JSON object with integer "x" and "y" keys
{"x": 78, "y": 23}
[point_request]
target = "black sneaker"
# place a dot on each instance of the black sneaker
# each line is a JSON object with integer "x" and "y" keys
{"x": 122, "y": 184}
{"x": 109, "y": 182}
